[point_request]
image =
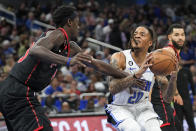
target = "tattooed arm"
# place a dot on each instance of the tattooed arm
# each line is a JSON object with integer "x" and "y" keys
{"x": 168, "y": 89}
{"x": 171, "y": 89}
{"x": 117, "y": 85}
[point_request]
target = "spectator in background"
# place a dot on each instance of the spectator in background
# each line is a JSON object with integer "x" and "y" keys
{"x": 99, "y": 55}
{"x": 3, "y": 74}
{"x": 29, "y": 21}
{"x": 99, "y": 106}
{"x": 8, "y": 49}
{"x": 52, "y": 90}
{"x": 93, "y": 6}
{"x": 9, "y": 63}
{"x": 74, "y": 92}
{"x": 96, "y": 84}
{"x": 107, "y": 29}
{"x": 81, "y": 6}
{"x": 77, "y": 75}
{"x": 88, "y": 71}
{"x": 187, "y": 56}
{"x": 116, "y": 37}
{"x": 23, "y": 44}
{"x": 65, "y": 108}
{"x": 106, "y": 56}
{"x": 2, "y": 57}
{"x": 21, "y": 14}
{"x": 99, "y": 29}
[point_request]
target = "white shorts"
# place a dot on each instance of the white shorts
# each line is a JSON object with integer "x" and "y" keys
{"x": 136, "y": 113}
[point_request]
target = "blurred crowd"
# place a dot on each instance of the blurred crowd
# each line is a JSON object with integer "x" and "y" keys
{"x": 105, "y": 22}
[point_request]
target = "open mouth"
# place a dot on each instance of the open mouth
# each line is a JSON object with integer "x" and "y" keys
{"x": 137, "y": 41}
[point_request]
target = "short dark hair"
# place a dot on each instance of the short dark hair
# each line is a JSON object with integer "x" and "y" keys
{"x": 62, "y": 14}
{"x": 170, "y": 30}
{"x": 153, "y": 35}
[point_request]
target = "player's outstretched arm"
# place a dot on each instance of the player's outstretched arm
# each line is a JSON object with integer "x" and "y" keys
{"x": 171, "y": 89}
{"x": 117, "y": 85}
{"x": 99, "y": 65}
{"x": 42, "y": 50}
{"x": 108, "y": 69}
{"x": 168, "y": 88}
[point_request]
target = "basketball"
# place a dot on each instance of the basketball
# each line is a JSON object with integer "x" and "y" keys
{"x": 163, "y": 62}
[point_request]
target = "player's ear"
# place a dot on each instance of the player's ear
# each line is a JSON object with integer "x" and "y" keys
{"x": 69, "y": 22}
{"x": 169, "y": 37}
{"x": 150, "y": 43}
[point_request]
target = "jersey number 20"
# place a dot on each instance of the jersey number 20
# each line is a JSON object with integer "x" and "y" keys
{"x": 137, "y": 95}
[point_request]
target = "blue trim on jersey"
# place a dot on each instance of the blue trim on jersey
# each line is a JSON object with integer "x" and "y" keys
{"x": 117, "y": 122}
{"x": 113, "y": 98}
{"x": 113, "y": 117}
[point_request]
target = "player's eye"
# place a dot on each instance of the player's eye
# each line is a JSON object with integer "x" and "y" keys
{"x": 142, "y": 34}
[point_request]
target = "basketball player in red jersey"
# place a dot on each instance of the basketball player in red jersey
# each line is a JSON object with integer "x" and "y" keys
{"x": 164, "y": 91}
{"x": 35, "y": 70}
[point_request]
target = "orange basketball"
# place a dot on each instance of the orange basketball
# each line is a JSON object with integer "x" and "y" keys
{"x": 164, "y": 62}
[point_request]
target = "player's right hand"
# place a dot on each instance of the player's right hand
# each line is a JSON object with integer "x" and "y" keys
{"x": 144, "y": 66}
{"x": 80, "y": 59}
{"x": 140, "y": 83}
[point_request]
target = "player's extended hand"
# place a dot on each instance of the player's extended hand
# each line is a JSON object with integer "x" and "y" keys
{"x": 178, "y": 100}
{"x": 144, "y": 66}
{"x": 80, "y": 59}
{"x": 140, "y": 83}
{"x": 175, "y": 72}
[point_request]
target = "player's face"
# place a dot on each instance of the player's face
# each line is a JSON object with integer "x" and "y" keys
{"x": 177, "y": 37}
{"x": 141, "y": 39}
{"x": 75, "y": 27}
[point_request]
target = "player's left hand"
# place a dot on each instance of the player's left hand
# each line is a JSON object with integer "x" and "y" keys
{"x": 178, "y": 100}
{"x": 81, "y": 59}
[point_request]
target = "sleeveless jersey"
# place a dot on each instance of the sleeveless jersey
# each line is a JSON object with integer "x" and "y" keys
{"x": 125, "y": 97}
{"x": 37, "y": 74}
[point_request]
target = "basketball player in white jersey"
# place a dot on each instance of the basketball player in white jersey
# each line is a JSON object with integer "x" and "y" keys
{"x": 129, "y": 108}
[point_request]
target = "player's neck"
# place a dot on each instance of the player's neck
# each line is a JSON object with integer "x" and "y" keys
{"x": 178, "y": 50}
{"x": 139, "y": 56}
{"x": 68, "y": 32}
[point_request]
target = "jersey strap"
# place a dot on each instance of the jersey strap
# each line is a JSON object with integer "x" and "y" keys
{"x": 66, "y": 36}
{"x": 172, "y": 46}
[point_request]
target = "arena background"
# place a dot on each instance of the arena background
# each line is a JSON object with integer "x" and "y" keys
{"x": 77, "y": 104}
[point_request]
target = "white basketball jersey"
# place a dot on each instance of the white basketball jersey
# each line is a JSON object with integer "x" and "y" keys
{"x": 124, "y": 97}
